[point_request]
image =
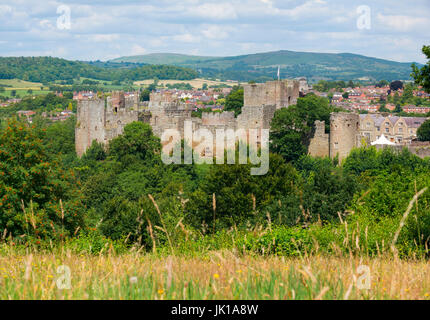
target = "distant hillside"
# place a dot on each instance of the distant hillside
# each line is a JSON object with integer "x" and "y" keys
{"x": 48, "y": 69}
{"x": 263, "y": 66}
{"x": 163, "y": 58}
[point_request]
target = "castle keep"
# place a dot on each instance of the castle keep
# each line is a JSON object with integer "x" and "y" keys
{"x": 102, "y": 120}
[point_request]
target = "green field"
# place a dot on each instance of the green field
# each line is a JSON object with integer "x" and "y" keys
{"x": 21, "y": 87}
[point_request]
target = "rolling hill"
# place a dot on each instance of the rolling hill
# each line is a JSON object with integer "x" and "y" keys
{"x": 48, "y": 69}
{"x": 263, "y": 66}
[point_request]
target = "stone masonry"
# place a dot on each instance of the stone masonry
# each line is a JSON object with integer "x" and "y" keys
{"x": 102, "y": 120}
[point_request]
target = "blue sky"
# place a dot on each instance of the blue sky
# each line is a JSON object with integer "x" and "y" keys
{"x": 113, "y": 28}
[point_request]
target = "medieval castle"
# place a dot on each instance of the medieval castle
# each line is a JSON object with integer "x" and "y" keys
{"x": 103, "y": 120}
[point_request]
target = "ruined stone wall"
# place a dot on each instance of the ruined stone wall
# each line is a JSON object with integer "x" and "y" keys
{"x": 344, "y": 133}
{"x": 255, "y": 117}
{"x": 320, "y": 143}
{"x": 167, "y": 112}
{"x": 90, "y": 123}
{"x": 225, "y": 118}
{"x": 102, "y": 121}
{"x": 421, "y": 149}
{"x": 119, "y": 113}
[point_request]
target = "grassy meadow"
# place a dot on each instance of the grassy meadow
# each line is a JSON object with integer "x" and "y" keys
{"x": 21, "y": 87}
{"x": 215, "y": 275}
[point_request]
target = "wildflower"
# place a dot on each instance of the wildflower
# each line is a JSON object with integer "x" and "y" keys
{"x": 426, "y": 295}
{"x": 133, "y": 280}
{"x": 160, "y": 291}
{"x": 216, "y": 275}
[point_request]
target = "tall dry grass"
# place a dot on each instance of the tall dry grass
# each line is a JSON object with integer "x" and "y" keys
{"x": 217, "y": 275}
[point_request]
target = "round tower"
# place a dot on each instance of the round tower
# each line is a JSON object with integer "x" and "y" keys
{"x": 344, "y": 132}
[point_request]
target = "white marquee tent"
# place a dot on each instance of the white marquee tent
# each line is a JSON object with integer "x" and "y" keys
{"x": 383, "y": 141}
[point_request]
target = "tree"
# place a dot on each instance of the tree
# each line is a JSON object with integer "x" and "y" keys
{"x": 398, "y": 109}
{"x": 345, "y": 95}
{"x": 423, "y": 132}
{"x": 137, "y": 143}
{"x": 396, "y": 85}
{"x": 422, "y": 76}
{"x": 234, "y": 101}
{"x": 383, "y": 108}
{"x": 291, "y": 128}
{"x": 13, "y": 93}
{"x": 32, "y": 184}
{"x": 408, "y": 93}
{"x": 382, "y": 83}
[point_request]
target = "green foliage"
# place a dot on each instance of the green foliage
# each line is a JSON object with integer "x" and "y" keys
{"x": 422, "y": 76}
{"x": 423, "y": 132}
{"x": 137, "y": 143}
{"x": 234, "y": 101}
{"x": 32, "y": 184}
{"x": 239, "y": 195}
{"x": 92, "y": 242}
{"x": 292, "y": 128}
{"x": 280, "y": 241}
{"x": 47, "y": 69}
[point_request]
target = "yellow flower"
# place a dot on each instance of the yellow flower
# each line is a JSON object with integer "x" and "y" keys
{"x": 239, "y": 271}
{"x": 216, "y": 275}
{"x": 160, "y": 292}
{"x": 427, "y": 295}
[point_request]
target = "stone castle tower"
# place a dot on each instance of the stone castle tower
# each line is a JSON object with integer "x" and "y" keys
{"x": 344, "y": 133}
{"x": 281, "y": 94}
{"x": 102, "y": 120}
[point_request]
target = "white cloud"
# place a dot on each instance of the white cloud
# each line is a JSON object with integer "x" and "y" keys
{"x": 215, "y": 32}
{"x": 109, "y": 28}
{"x": 186, "y": 37}
{"x": 404, "y": 23}
{"x": 104, "y": 37}
{"x": 137, "y": 50}
{"x": 217, "y": 11}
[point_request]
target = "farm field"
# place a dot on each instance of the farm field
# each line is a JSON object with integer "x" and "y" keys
{"x": 21, "y": 87}
{"x": 216, "y": 275}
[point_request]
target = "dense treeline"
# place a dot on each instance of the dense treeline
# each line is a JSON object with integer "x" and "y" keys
{"x": 48, "y": 69}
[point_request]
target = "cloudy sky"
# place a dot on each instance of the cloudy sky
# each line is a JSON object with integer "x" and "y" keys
{"x": 394, "y": 29}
